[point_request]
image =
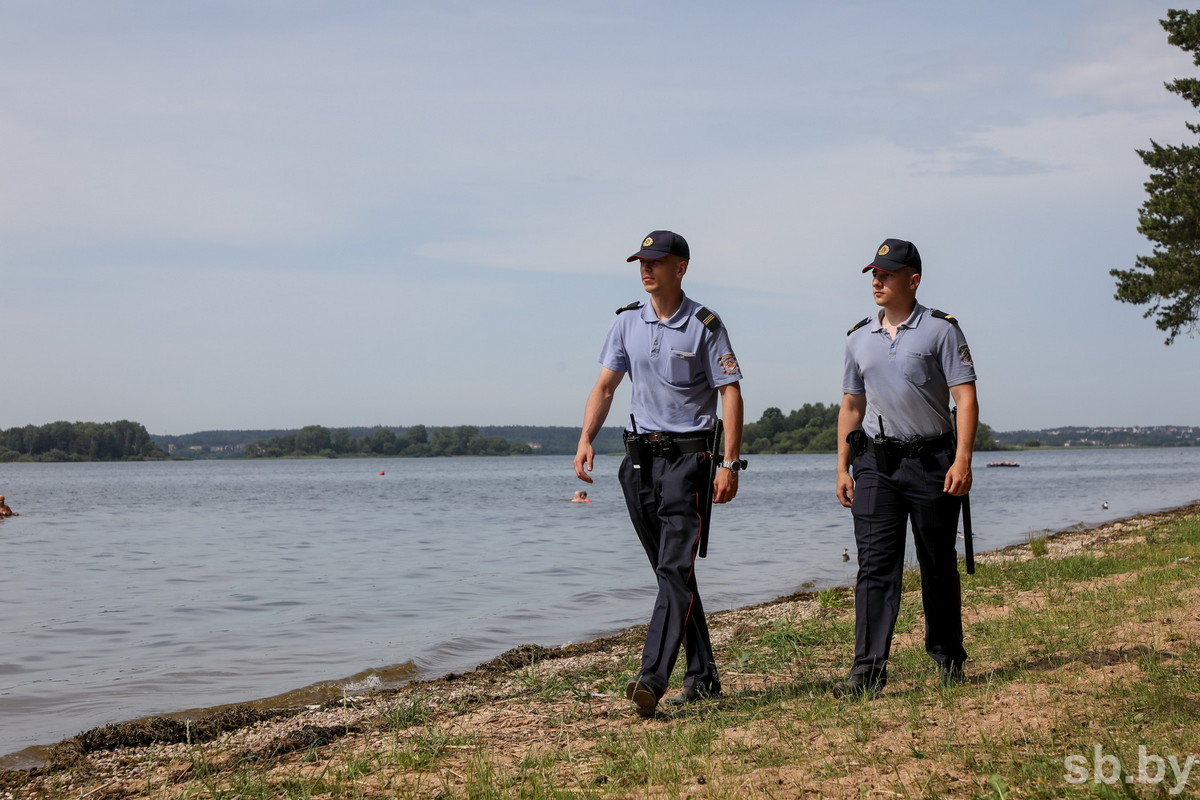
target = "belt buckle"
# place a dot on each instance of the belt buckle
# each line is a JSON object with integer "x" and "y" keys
{"x": 657, "y": 436}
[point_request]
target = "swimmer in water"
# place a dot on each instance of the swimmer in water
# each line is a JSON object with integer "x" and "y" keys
{"x": 5, "y": 511}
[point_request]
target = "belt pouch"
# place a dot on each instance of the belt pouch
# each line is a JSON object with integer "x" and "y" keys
{"x": 887, "y": 456}
{"x": 633, "y": 449}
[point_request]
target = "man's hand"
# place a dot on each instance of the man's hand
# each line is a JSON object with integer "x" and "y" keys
{"x": 594, "y": 414}
{"x": 958, "y": 478}
{"x": 845, "y": 488}
{"x": 583, "y": 461}
{"x": 850, "y": 417}
{"x": 725, "y": 485}
{"x": 966, "y": 403}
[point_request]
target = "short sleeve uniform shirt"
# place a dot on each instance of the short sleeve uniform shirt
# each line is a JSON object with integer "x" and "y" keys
{"x": 907, "y": 380}
{"x": 675, "y": 366}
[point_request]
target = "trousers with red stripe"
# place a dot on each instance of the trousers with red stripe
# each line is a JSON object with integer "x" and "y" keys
{"x": 665, "y": 499}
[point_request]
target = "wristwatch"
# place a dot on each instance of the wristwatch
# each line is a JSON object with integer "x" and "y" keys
{"x": 733, "y": 466}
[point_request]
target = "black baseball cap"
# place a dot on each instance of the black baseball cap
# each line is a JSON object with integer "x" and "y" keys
{"x": 896, "y": 254}
{"x": 661, "y": 243}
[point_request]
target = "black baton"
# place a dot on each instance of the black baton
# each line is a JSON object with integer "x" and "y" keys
{"x": 713, "y": 461}
{"x": 968, "y": 543}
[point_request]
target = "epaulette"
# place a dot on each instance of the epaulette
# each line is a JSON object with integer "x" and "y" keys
{"x": 709, "y": 319}
{"x": 864, "y": 321}
{"x": 632, "y": 306}
{"x": 943, "y": 315}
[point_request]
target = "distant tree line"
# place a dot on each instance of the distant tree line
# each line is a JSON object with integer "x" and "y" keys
{"x": 79, "y": 441}
{"x": 218, "y": 440}
{"x": 385, "y": 440}
{"x": 809, "y": 429}
{"x": 812, "y": 428}
{"x": 416, "y": 441}
{"x": 1138, "y": 436}
{"x": 560, "y": 440}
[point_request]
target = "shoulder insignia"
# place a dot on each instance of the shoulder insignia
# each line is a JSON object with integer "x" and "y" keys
{"x": 634, "y": 305}
{"x": 709, "y": 319}
{"x": 943, "y": 315}
{"x": 864, "y": 321}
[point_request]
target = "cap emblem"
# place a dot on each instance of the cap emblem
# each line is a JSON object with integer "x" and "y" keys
{"x": 883, "y": 251}
{"x": 649, "y": 241}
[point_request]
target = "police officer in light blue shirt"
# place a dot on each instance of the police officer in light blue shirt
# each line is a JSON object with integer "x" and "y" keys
{"x": 903, "y": 456}
{"x": 676, "y": 364}
{"x": 678, "y": 356}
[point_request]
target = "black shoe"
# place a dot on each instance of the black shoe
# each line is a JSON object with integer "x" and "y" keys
{"x": 645, "y": 698}
{"x": 951, "y": 673}
{"x": 867, "y": 686}
{"x": 690, "y": 694}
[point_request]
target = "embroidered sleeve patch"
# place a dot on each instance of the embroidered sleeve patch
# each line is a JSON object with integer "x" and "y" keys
{"x": 964, "y": 355}
{"x": 728, "y": 363}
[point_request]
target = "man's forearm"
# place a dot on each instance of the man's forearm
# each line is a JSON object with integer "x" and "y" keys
{"x": 599, "y": 403}
{"x": 966, "y": 404}
{"x": 732, "y": 410}
{"x": 968, "y": 424}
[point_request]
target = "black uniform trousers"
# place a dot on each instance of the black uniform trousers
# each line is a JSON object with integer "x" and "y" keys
{"x": 883, "y": 505}
{"x": 666, "y": 498}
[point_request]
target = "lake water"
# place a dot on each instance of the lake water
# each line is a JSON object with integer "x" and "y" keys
{"x": 148, "y": 588}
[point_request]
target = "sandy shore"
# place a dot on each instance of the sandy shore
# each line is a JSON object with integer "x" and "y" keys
{"x": 157, "y": 757}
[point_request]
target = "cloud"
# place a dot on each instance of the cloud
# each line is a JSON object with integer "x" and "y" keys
{"x": 1121, "y": 60}
{"x": 980, "y": 162}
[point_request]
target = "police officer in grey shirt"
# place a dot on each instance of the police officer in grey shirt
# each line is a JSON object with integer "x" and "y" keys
{"x": 903, "y": 456}
{"x": 679, "y": 359}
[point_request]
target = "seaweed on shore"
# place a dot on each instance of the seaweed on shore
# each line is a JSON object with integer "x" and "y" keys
{"x": 158, "y": 730}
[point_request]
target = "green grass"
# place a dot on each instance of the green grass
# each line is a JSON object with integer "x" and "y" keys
{"x": 409, "y": 711}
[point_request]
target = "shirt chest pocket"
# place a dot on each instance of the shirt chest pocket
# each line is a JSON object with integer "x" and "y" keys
{"x": 919, "y": 368}
{"x": 681, "y": 367}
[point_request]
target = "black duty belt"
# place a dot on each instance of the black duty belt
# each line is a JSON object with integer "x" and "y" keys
{"x": 910, "y": 448}
{"x": 663, "y": 441}
{"x": 665, "y": 444}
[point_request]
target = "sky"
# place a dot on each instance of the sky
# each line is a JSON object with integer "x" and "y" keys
{"x": 264, "y": 214}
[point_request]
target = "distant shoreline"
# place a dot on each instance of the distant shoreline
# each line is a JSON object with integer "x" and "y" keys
{"x": 535, "y": 454}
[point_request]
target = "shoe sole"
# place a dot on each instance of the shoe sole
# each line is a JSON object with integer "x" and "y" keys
{"x": 643, "y": 697}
